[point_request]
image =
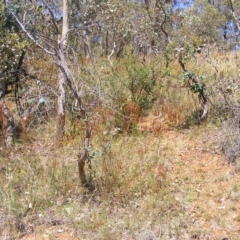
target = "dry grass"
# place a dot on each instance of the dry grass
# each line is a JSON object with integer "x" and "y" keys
{"x": 157, "y": 183}
{"x": 147, "y": 186}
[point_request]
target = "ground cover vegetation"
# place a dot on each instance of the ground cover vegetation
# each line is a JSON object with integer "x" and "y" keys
{"x": 119, "y": 119}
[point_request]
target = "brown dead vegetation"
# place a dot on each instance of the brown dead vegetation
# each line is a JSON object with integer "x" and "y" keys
{"x": 154, "y": 124}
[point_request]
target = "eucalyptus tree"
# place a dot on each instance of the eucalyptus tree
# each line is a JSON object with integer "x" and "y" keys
{"x": 108, "y": 27}
{"x": 46, "y": 25}
{"x": 225, "y": 25}
{"x": 200, "y": 21}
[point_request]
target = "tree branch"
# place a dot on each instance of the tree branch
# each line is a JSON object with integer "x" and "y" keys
{"x": 52, "y": 16}
{"x": 29, "y": 35}
{"x": 192, "y": 78}
{"x": 164, "y": 21}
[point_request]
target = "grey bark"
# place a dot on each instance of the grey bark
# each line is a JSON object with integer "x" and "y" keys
{"x": 62, "y": 45}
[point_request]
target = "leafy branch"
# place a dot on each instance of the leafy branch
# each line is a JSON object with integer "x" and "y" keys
{"x": 193, "y": 82}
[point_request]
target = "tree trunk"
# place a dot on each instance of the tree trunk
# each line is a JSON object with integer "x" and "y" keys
{"x": 83, "y": 156}
{"x": 60, "y": 107}
{"x": 62, "y": 45}
{"x": 17, "y": 80}
{"x": 87, "y": 44}
{"x": 107, "y": 45}
{"x": 7, "y": 114}
{"x": 10, "y": 123}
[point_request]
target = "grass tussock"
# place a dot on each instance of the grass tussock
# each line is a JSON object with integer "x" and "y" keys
{"x": 42, "y": 186}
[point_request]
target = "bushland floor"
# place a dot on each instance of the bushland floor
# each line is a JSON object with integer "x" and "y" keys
{"x": 171, "y": 185}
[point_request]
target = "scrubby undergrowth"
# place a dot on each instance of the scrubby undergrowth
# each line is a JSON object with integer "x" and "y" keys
{"x": 154, "y": 171}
